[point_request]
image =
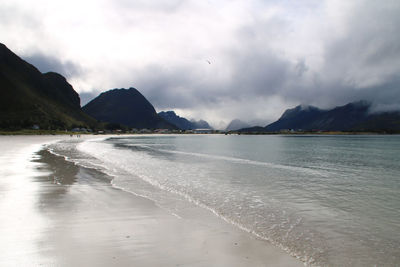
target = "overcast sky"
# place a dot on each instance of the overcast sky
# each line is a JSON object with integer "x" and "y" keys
{"x": 219, "y": 59}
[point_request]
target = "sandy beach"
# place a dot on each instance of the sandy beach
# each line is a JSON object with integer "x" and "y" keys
{"x": 55, "y": 213}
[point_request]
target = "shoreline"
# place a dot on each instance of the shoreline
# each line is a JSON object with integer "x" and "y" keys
{"x": 78, "y": 217}
{"x": 217, "y": 132}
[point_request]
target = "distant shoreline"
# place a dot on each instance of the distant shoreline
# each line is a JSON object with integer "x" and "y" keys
{"x": 58, "y": 132}
{"x": 319, "y": 133}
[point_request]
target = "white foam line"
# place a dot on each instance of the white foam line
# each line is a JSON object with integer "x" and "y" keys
{"x": 200, "y": 204}
{"x": 226, "y": 219}
{"x": 241, "y": 161}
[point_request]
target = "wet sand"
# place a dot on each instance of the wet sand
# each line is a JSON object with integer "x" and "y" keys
{"x": 55, "y": 213}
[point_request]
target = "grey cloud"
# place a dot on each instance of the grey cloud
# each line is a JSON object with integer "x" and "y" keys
{"x": 125, "y": 7}
{"x": 365, "y": 62}
{"x": 46, "y": 63}
{"x": 86, "y": 97}
{"x": 14, "y": 15}
{"x": 361, "y": 60}
{"x": 252, "y": 72}
{"x": 362, "y": 63}
{"x": 166, "y": 88}
{"x": 258, "y": 73}
{"x": 162, "y": 4}
{"x": 301, "y": 67}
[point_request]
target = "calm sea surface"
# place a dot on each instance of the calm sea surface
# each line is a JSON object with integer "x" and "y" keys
{"x": 329, "y": 200}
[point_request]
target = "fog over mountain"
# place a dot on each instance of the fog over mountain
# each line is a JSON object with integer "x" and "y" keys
{"x": 236, "y": 124}
{"x": 217, "y": 60}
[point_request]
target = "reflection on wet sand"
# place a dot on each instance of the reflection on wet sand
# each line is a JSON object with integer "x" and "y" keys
{"x": 55, "y": 213}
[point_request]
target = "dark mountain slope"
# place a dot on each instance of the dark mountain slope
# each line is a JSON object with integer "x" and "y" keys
{"x": 28, "y": 97}
{"x": 64, "y": 91}
{"x": 183, "y": 123}
{"x": 299, "y": 117}
{"x": 176, "y": 120}
{"x": 388, "y": 122}
{"x": 343, "y": 118}
{"x": 127, "y": 107}
{"x": 200, "y": 124}
{"x": 356, "y": 116}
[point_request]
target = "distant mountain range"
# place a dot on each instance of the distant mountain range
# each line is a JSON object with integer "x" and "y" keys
{"x": 183, "y": 123}
{"x": 127, "y": 107}
{"x": 356, "y": 116}
{"x": 179, "y": 122}
{"x": 28, "y": 97}
{"x": 200, "y": 124}
{"x": 236, "y": 124}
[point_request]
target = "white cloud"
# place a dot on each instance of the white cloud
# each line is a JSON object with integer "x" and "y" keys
{"x": 263, "y": 54}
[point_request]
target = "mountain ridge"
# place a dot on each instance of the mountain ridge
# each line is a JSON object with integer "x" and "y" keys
{"x": 183, "y": 123}
{"x": 126, "y": 107}
{"x": 29, "y": 97}
{"x": 352, "y": 117}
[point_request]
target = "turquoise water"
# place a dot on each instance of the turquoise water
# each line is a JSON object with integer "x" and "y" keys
{"x": 328, "y": 200}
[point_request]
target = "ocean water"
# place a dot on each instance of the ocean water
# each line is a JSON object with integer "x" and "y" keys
{"x": 328, "y": 200}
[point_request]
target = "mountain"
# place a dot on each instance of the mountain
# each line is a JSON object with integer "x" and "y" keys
{"x": 179, "y": 122}
{"x": 295, "y": 118}
{"x": 200, "y": 124}
{"x": 356, "y": 116}
{"x": 388, "y": 122}
{"x": 343, "y": 118}
{"x": 28, "y": 97}
{"x": 236, "y": 124}
{"x": 182, "y": 123}
{"x": 253, "y": 129}
{"x": 127, "y": 107}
